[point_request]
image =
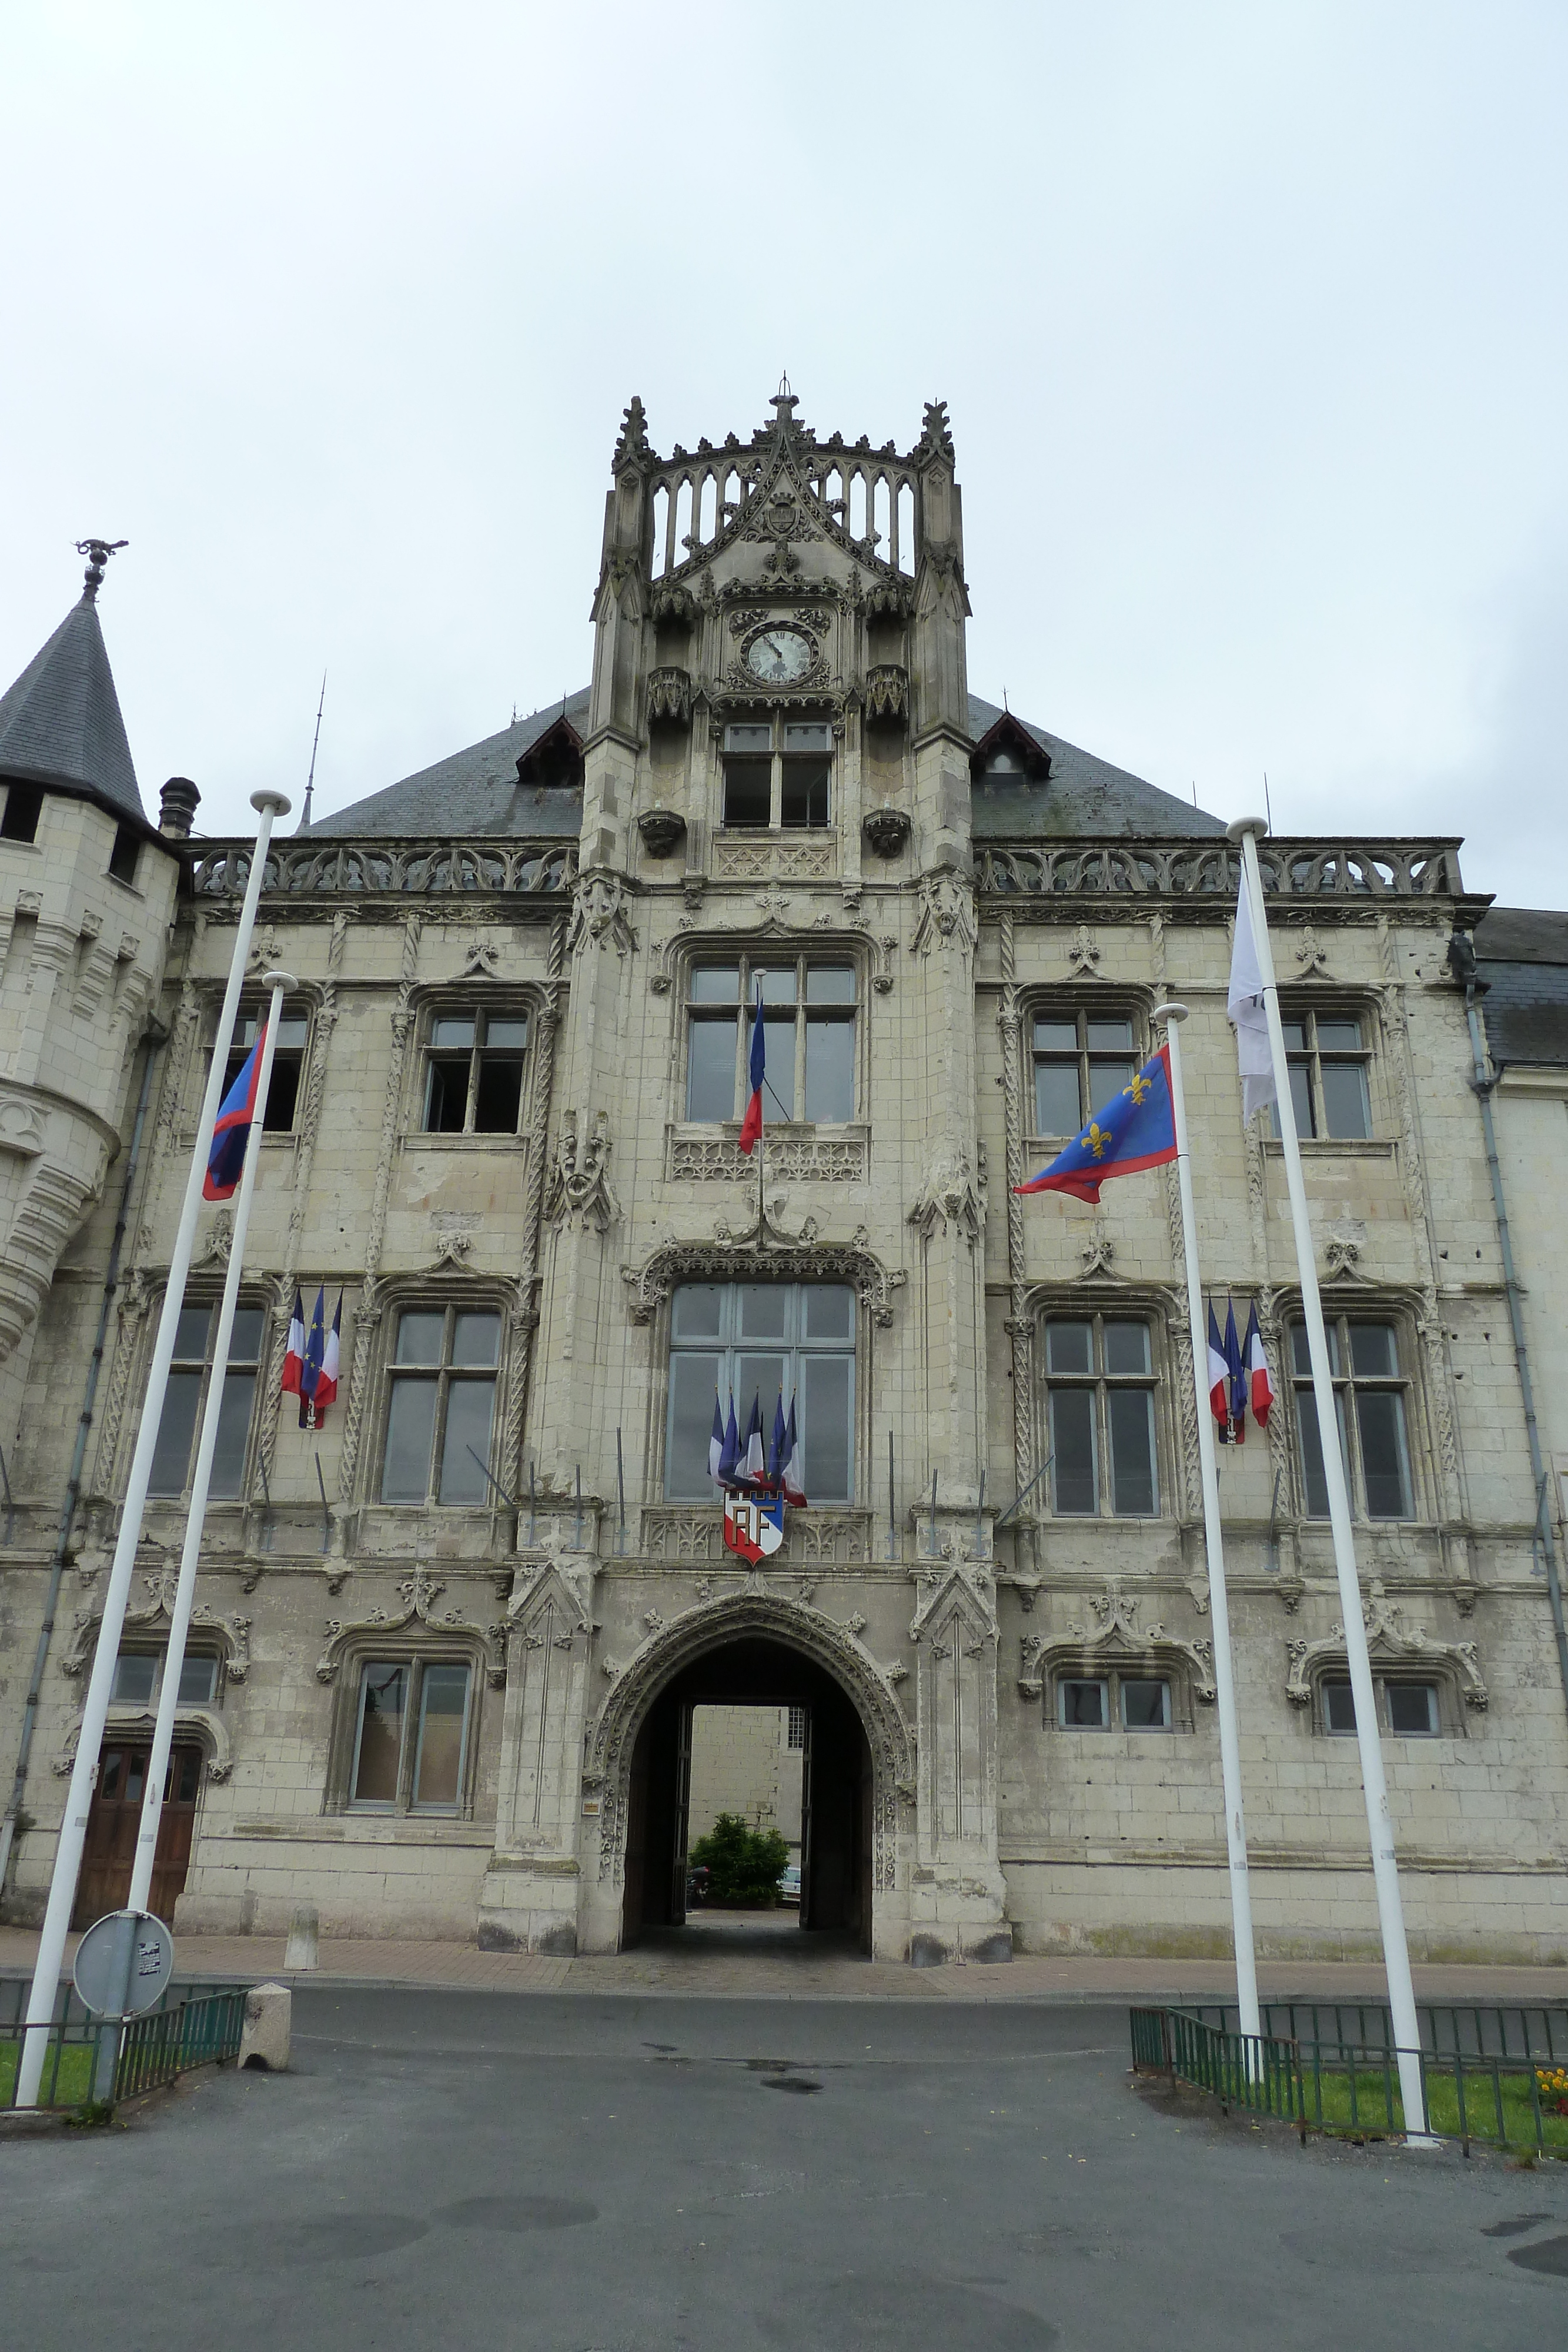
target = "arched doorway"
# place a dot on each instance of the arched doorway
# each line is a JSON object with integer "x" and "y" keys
{"x": 752, "y": 1643}
{"x": 837, "y": 1786}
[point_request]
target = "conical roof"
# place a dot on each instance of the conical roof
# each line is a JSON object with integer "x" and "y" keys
{"x": 60, "y": 724}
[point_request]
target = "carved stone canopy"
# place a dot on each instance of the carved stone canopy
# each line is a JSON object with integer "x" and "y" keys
{"x": 232, "y": 1632}
{"x": 1112, "y": 1634}
{"x": 745, "y": 1259}
{"x": 1389, "y": 1642}
{"x": 663, "y": 831}
{"x": 420, "y": 1592}
{"x": 887, "y": 829}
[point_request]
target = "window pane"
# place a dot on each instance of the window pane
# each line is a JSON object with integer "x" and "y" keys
{"x": 1146, "y": 1705}
{"x": 779, "y": 1094}
{"x": 827, "y": 1441}
{"x": 134, "y": 1676}
{"x": 696, "y": 1310}
{"x": 498, "y": 1097}
{"x": 764, "y": 1306}
{"x": 1313, "y": 1470}
{"x": 710, "y": 1067}
{"x": 1380, "y": 1416}
{"x": 1339, "y": 1708}
{"x": 1070, "y": 1347}
{"x": 1295, "y": 1033}
{"x": 171, "y": 1454}
{"x": 747, "y": 792}
{"x": 1131, "y": 1417}
{"x": 748, "y": 739}
{"x": 477, "y": 1339}
{"x": 411, "y": 1428}
{"x": 806, "y": 735}
{"x": 1057, "y": 1109}
{"x": 234, "y": 1428}
{"x": 1056, "y": 1036}
{"x": 282, "y": 1093}
{"x": 1301, "y": 1354}
{"x": 1374, "y": 1350}
{"x": 803, "y": 795}
{"x": 418, "y": 1335}
{"x": 1338, "y": 1036}
{"x": 447, "y": 1096}
{"x": 507, "y": 1035}
{"x": 829, "y": 984}
{"x": 382, "y": 1694}
{"x": 779, "y": 986}
{"x": 1073, "y": 1485}
{"x": 1126, "y": 1348}
{"x": 1106, "y": 1036}
{"x": 443, "y": 1709}
{"x": 245, "y": 1339}
{"x": 829, "y": 1311}
{"x": 198, "y": 1681}
{"x": 1106, "y": 1080}
{"x": 693, "y": 1380}
{"x": 829, "y": 1069}
{"x": 715, "y": 983}
{"x": 469, "y": 1408}
{"x": 1412, "y": 1707}
{"x": 1084, "y": 1706}
{"x": 1301, "y": 1098}
{"x": 1347, "y": 1105}
{"x": 190, "y": 1335}
{"x": 455, "y": 1030}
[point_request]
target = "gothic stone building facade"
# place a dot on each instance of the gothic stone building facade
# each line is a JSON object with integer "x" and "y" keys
{"x": 446, "y": 1646}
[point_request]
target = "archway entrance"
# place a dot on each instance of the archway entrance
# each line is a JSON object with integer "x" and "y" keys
{"x": 836, "y": 1787}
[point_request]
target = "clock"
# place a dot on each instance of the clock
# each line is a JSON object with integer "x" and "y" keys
{"x": 779, "y": 656}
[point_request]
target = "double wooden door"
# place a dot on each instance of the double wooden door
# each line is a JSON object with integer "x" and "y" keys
{"x": 114, "y": 1820}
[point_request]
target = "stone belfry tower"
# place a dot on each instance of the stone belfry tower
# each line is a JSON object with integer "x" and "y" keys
{"x": 776, "y": 791}
{"x": 86, "y": 892}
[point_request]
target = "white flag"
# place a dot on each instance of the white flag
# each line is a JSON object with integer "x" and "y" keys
{"x": 1244, "y": 1003}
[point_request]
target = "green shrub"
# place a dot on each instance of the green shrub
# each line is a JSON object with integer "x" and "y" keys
{"x": 744, "y": 1865}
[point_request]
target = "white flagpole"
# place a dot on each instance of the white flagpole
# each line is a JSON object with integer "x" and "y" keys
{"x": 1248, "y": 830}
{"x": 195, "y": 1517}
{"x": 1173, "y": 1015}
{"x": 269, "y": 806}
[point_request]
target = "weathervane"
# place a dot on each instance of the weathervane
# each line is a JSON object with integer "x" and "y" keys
{"x": 97, "y": 552}
{"x": 784, "y": 402}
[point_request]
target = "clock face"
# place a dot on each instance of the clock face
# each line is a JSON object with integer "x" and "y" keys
{"x": 778, "y": 656}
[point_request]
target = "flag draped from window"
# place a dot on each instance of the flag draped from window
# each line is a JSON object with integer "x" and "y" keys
{"x": 231, "y": 1133}
{"x": 1219, "y": 1379}
{"x": 751, "y": 1125}
{"x": 1259, "y": 1377}
{"x": 294, "y": 1354}
{"x": 1136, "y": 1130}
{"x": 1237, "y": 1377}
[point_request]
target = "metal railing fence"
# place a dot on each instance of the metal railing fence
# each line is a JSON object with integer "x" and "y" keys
{"x": 1512, "y": 2094}
{"x": 185, "y": 2028}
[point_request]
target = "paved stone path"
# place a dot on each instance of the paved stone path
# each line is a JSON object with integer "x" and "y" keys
{"x": 741, "y": 1956}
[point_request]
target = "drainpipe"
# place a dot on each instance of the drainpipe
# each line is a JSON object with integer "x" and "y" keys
{"x": 1462, "y": 964}
{"x": 155, "y": 1038}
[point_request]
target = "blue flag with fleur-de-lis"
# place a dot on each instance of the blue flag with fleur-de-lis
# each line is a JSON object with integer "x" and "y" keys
{"x": 1136, "y": 1130}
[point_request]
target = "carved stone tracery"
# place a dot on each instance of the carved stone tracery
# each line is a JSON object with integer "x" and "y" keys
{"x": 1388, "y": 1640}
{"x": 420, "y": 1592}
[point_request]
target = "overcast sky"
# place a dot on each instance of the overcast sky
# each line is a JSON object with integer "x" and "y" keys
{"x": 1250, "y": 319}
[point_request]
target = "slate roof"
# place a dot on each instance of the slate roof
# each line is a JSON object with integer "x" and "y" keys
{"x": 1521, "y": 954}
{"x": 1080, "y": 795}
{"x": 475, "y": 792}
{"x": 60, "y": 724}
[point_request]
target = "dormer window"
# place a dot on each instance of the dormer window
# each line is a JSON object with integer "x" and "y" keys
{"x": 1007, "y": 756}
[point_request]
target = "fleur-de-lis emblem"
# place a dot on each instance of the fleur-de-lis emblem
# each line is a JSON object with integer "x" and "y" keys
{"x": 1097, "y": 1137}
{"x": 1140, "y": 1087}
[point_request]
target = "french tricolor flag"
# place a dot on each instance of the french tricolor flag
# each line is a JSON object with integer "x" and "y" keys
{"x": 751, "y": 1125}
{"x": 1219, "y": 1379}
{"x": 790, "y": 1478}
{"x": 1259, "y": 1380}
{"x": 294, "y": 1355}
{"x": 236, "y": 1115}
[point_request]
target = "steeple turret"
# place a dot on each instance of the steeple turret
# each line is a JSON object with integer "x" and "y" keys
{"x": 59, "y": 724}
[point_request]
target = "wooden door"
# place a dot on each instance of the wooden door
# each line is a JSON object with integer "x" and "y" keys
{"x": 116, "y": 1816}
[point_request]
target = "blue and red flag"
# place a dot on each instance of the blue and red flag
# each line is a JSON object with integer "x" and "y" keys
{"x": 311, "y": 1369}
{"x": 236, "y": 1115}
{"x": 294, "y": 1354}
{"x": 1236, "y": 1372}
{"x": 1259, "y": 1379}
{"x": 1219, "y": 1379}
{"x": 1136, "y": 1130}
{"x": 751, "y": 1125}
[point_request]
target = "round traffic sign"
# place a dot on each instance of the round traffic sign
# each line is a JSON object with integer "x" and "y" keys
{"x": 123, "y": 1964}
